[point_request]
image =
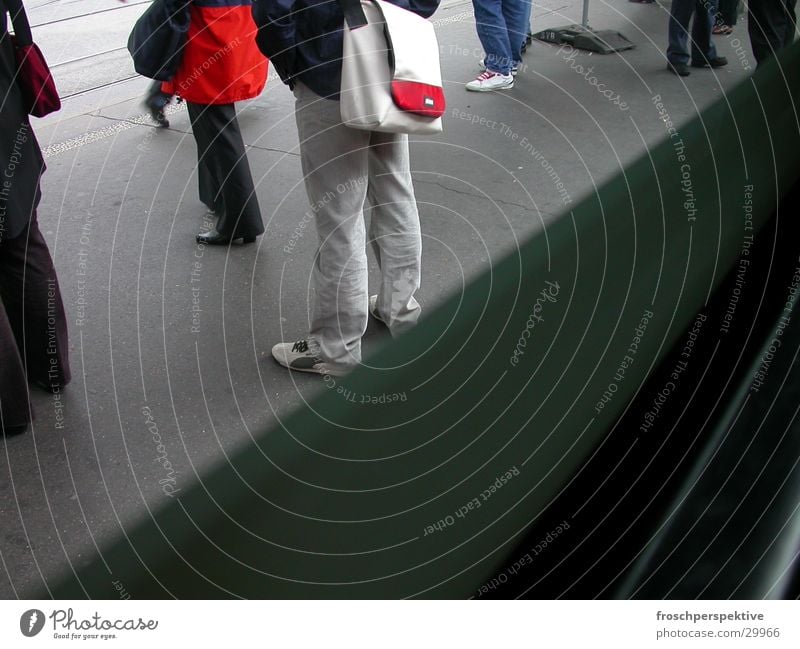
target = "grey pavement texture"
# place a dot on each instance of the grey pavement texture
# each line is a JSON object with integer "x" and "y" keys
{"x": 170, "y": 340}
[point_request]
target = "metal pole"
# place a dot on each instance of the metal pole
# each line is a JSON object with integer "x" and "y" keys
{"x": 585, "y": 20}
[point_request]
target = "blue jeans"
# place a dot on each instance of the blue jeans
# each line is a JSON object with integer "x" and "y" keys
{"x": 501, "y": 26}
{"x": 702, "y": 45}
{"x": 528, "y": 10}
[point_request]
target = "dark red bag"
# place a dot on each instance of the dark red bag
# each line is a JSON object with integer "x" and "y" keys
{"x": 35, "y": 81}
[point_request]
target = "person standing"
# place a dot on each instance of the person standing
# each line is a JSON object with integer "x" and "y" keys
{"x": 33, "y": 325}
{"x": 771, "y": 25}
{"x": 704, "y": 53}
{"x": 220, "y": 66}
{"x": 343, "y": 167}
{"x": 502, "y": 26}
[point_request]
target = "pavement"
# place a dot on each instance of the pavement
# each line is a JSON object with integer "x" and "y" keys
{"x": 170, "y": 340}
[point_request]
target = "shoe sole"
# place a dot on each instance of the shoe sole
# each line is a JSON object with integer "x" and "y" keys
{"x": 307, "y": 370}
{"x": 508, "y": 87}
{"x": 236, "y": 241}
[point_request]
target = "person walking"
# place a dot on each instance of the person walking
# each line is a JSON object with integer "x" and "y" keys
{"x": 343, "y": 167}
{"x": 221, "y": 65}
{"x": 502, "y": 26}
{"x": 704, "y": 53}
{"x": 771, "y": 25}
{"x": 33, "y": 325}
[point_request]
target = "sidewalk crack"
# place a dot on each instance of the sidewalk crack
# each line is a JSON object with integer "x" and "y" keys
{"x": 475, "y": 195}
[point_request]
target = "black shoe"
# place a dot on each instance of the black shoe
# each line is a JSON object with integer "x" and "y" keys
{"x": 10, "y": 431}
{"x": 214, "y": 238}
{"x": 716, "y": 62}
{"x": 681, "y": 69}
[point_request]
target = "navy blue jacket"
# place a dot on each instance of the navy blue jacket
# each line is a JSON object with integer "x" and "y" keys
{"x": 303, "y": 39}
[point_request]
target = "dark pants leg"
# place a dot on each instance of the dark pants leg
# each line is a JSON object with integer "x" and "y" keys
{"x": 14, "y": 407}
{"x": 771, "y": 26}
{"x": 703, "y": 47}
{"x": 33, "y": 325}
{"x": 226, "y": 183}
{"x": 727, "y": 12}
{"x": 155, "y": 97}
{"x": 680, "y": 16}
{"x": 208, "y": 172}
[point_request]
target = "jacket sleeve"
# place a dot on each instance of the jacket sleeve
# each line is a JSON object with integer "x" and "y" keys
{"x": 276, "y": 36}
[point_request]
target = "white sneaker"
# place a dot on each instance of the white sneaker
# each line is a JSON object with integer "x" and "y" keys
{"x": 304, "y": 356}
{"x": 514, "y": 67}
{"x": 373, "y": 309}
{"x": 487, "y": 81}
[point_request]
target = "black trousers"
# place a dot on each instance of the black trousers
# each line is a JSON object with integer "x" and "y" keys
{"x": 771, "y": 26}
{"x": 33, "y": 326}
{"x": 226, "y": 184}
{"x": 727, "y": 11}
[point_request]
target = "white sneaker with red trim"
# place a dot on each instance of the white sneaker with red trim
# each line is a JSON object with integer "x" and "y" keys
{"x": 487, "y": 81}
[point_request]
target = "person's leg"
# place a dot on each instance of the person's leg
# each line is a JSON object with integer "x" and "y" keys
{"x": 156, "y": 101}
{"x": 14, "y": 405}
{"x": 703, "y": 48}
{"x": 155, "y": 96}
{"x": 728, "y": 12}
{"x": 335, "y": 166}
{"x": 678, "y": 31}
{"x": 207, "y": 169}
{"x": 719, "y": 14}
{"x": 516, "y": 14}
{"x": 528, "y": 28}
{"x": 34, "y": 308}
{"x": 394, "y": 230}
{"x": 791, "y": 22}
{"x": 493, "y": 35}
{"x": 240, "y": 214}
{"x": 771, "y": 25}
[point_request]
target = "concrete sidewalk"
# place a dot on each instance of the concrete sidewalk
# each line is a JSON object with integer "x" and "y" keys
{"x": 170, "y": 340}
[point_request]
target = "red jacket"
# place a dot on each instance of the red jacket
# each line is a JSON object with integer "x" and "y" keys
{"x": 221, "y": 62}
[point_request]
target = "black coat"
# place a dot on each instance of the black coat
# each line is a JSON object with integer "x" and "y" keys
{"x": 21, "y": 163}
{"x": 303, "y": 38}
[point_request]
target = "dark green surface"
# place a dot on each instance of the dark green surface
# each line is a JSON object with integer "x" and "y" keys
{"x": 336, "y": 502}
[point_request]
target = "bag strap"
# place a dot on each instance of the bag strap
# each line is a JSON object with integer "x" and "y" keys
{"x": 22, "y": 28}
{"x": 353, "y": 13}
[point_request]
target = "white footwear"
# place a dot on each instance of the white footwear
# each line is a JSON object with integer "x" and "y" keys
{"x": 487, "y": 81}
{"x": 304, "y": 356}
{"x": 373, "y": 309}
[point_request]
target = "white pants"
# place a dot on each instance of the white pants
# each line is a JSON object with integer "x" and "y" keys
{"x": 342, "y": 168}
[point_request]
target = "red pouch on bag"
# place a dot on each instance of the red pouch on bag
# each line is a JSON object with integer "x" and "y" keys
{"x": 35, "y": 81}
{"x": 418, "y": 98}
